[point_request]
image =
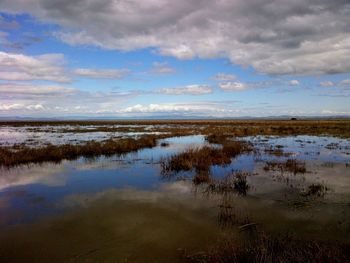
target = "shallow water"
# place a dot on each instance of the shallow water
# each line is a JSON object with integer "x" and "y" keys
{"x": 120, "y": 208}
{"x": 37, "y": 136}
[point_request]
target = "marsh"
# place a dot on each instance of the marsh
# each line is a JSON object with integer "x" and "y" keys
{"x": 164, "y": 193}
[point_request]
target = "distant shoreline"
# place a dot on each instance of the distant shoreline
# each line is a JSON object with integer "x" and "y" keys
{"x": 169, "y": 121}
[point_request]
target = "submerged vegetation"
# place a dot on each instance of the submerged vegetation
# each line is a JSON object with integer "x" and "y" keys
{"x": 277, "y": 151}
{"x": 235, "y": 182}
{"x": 290, "y": 165}
{"x": 263, "y": 248}
{"x": 316, "y": 190}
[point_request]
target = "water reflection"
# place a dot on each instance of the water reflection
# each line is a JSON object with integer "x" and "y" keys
{"x": 38, "y": 136}
{"x": 141, "y": 170}
{"x": 124, "y": 205}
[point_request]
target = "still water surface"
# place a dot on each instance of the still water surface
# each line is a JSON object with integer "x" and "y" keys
{"x": 121, "y": 209}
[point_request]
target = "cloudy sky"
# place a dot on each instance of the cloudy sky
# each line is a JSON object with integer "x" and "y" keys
{"x": 131, "y": 58}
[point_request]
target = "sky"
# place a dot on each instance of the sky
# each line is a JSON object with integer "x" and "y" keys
{"x": 184, "y": 58}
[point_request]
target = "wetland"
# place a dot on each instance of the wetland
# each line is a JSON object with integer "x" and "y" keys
{"x": 175, "y": 191}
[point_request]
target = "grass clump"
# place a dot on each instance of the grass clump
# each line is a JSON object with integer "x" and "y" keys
{"x": 57, "y": 153}
{"x": 217, "y": 138}
{"x": 291, "y": 165}
{"x": 316, "y": 190}
{"x": 202, "y": 177}
{"x": 240, "y": 183}
{"x": 235, "y": 182}
{"x": 200, "y": 159}
{"x": 277, "y": 151}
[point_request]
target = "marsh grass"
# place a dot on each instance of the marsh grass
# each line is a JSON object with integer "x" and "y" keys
{"x": 235, "y": 182}
{"x": 231, "y": 216}
{"x": 340, "y": 128}
{"x": 291, "y": 165}
{"x": 277, "y": 151}
{"x": 228, "y": 188}
{"x": 164, "y": 144}
{"x": 217, "y": 138}
{"x": 198, "y": 159}
{"x": 57, "y": 153}
{"x": 309, "y": 196}
{"x": 202, "y": 177}
{"x": 264, "y": 248}
{"x": 202, "y": 158}
{"x": 217, "y": 131}
{"x": 316, "y": 190}
{"x": 240, "y": 183}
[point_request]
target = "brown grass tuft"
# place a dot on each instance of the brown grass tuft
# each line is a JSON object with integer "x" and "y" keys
{"x": 235, "y": 182}
{"x": 200, "y": 159}
{"x": 291, "y": 165}
{"x": 57, "y": 153}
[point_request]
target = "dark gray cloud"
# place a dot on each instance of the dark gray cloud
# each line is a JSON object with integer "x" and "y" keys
{"x": 277, "y": 37}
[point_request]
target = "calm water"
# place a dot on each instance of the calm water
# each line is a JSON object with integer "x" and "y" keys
{"x": 36, "y": 136}
{"x": 120, "y": 208}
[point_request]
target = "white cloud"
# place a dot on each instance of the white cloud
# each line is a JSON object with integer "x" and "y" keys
{"x": 13, "y": 89}
{"x": 224, "y": 77}
{"x": 200, "y": 109}
{"x": 35, "y": 107}
{"x": 276, "y": 37}
{"x": 102, "y": 73}
{"x": 233, "y": 86}
{"x": 189, "y": 90}
{"x": 16, "y": 106}
{"x": 153, "y": 108}
{"x": 183, "y": 52}
{"x": 213, "y": 109}
{"x": 345, "y": 82}
{"x": 18, "y": 67}
{"x": 294, "y": 82}
{"x": 162, "y": 68}
{"x": 29, "y": 99}
{"x": 335, "y": 112}
{"x": 340, "y": 84}
{"x": 327, "y": 84}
